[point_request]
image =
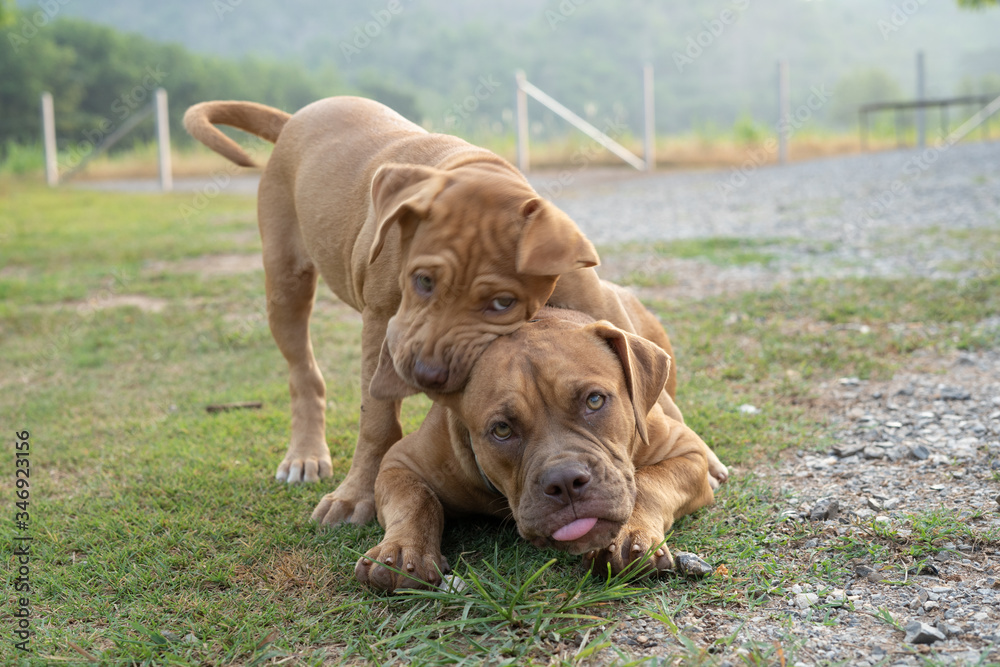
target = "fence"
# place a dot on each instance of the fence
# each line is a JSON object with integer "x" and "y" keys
{"x": 919, "y": 105}
{"x": 157, "y": 108}
{"x": 525, "y": 88}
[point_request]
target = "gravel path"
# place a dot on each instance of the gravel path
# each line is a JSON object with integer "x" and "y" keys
{"x": 925, "y": 444}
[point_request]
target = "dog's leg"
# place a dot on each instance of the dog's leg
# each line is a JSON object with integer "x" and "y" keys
{"x": 380, "y": 428}
{"x": 290, "y": 282}
{"x": 665, "y": 491}
{"x": 414, "y": 521}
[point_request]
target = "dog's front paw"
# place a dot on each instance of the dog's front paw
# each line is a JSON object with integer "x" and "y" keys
{"x": 343, "y": 506}
{"x": 393, "y": 565}
{"x": 627, "y": 552}
{"x": 301, "y": 466}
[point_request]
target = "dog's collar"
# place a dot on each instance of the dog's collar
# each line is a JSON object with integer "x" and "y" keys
{"x": 482, "y": 473}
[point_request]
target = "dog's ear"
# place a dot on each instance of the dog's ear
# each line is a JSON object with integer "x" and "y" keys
{"x": 551, "y": 243}
{"x": 402, "y": 193}
{"x": 386, "y": 384}
{"x": 646, "y": 367}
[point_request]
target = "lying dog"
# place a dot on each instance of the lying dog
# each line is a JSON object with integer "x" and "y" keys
{"x": 560, "y": 427}
{"x": 442, "y": 247}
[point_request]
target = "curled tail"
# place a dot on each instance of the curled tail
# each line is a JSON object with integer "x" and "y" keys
{"x": 264, "y": 121}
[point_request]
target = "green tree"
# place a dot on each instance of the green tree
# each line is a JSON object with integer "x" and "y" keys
{"x": 978, "y": 4}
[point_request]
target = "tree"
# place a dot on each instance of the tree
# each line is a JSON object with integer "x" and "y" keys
{"x": 978, "y": 4}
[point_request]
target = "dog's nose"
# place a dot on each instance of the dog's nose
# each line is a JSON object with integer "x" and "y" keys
{"x": 566, "y": 483}
{"x": 429, "y": 376}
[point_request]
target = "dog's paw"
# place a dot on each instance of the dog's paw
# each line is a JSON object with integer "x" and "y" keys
{"x": 717, "y": 472}
{"x": 299, "y": 467}
{"x": 342, "y": 507}
{"x": 628, "y": 552}
{"x": 392, "y": 565}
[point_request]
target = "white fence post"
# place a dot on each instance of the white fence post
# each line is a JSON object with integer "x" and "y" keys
{"x": 163, "y": 140}
{"x": 921, "y": 91}
{"x": 49, "y": 140}
{"x": 784, "y": 111}
{"x": 649, "y": 148}
{"x": 522, "y": 123}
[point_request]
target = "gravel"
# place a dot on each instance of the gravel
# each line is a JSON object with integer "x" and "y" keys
{"x": 924, "y": 444}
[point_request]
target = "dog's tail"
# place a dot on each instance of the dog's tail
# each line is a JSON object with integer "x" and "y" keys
{"x": 264, "y": 121}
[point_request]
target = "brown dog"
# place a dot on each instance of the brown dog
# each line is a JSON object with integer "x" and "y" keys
{"x": 560, "y": 427}
{"x": 442, "y": 247}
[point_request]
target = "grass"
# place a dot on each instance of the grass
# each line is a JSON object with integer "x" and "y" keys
{"x": 160, "y": 537}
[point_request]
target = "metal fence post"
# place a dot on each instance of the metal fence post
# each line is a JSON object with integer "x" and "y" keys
{"x": 522, "y": 123}
{"x": 649, "y": 148}
{"x": 921, "y": 92}
{"x": 784, "y": 111}
{"x": 163, "y": 140}
{"x": 49, "y": 140}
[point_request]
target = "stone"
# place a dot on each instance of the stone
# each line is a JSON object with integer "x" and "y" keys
{"x": 691, "y": 565}
{"x": 844, "y": 449}
{"x": 954, "y": 393}
{"x": 922, "y": 633}
{"x": 919, "y": 452}
{"x": 748, "y": 409}
{"x": 806, "y": 600}
{"x": 892, "y": 503}
{"x": 825, "y": 508}
{"x": 872, "y": 452}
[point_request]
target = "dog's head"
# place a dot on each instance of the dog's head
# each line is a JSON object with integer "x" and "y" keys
{"x": 480, "y": 254}
{"x": 555, "y": 412}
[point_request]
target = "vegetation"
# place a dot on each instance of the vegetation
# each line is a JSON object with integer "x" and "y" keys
{"x": 162, "y": 539}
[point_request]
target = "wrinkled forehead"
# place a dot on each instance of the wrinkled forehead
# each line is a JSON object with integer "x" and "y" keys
{"x": 540, "y": 355}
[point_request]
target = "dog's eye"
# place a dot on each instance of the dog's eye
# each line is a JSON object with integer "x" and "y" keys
{"x": 501, "y": 430}
{"x": 595, "y": 401}
{"x": 502, "y": 303}
{"x": 423, "y": 283}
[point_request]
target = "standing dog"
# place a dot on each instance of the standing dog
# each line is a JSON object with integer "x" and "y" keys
{"x": 442, "y": 246}
{"x": 560, "y": 427}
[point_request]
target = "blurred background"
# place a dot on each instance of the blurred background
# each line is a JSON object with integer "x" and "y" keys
{"x": 450, "y": 67}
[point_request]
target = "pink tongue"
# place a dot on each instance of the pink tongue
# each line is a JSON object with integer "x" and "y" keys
{"x": 575, "y": 530}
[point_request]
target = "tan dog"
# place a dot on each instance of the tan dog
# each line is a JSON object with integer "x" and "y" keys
{"x": 560, "y": 427}
{"x": 442, "y": 247}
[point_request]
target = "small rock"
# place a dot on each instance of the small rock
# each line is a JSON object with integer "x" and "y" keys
{"x": 452, "y": 583}
{"x": 843, "y": 449}
{"x": 874, "y": 504}
{"x": 954, "y": 394}
{"x": 921, "y": 633}
{"x": 825, "y": 508}
{"x": 849, "y": 381}
{"x": 919, "y": 452}
{"x": 642, "y": 639}
{"x": 872, "y": 452}
{"x": 947, "y": 628}
{"x": 691, "y": 565}
{"x": 836, "y": 596}
{"x": 926, "y": 569}
{"x": 892, "y": 503}
{"x": 980, "y": 616}
{"x": 894, "y": 424}
{"x": 806, "y": 600}
{"x": 190, "y": 638}
{"x": 748, "y": 409}
{"x": 864, "y": 513}
{"x": 930, "y": 605}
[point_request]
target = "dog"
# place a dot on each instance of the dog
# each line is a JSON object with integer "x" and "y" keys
{"x": 560, "y": 427}
{"x": 441, "y": 245}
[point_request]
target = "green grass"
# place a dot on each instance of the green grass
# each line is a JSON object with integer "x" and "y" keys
{"x": 161, "y": 538}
